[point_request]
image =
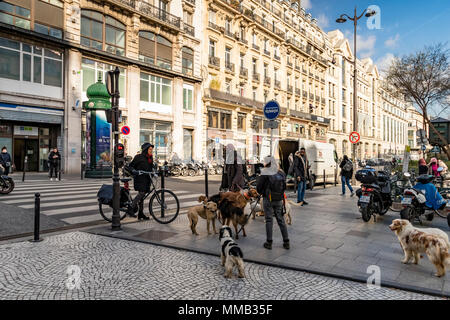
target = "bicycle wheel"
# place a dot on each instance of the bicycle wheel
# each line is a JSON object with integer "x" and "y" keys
{"x": 164, "y": 206}
{"x": 106, "y": 212}
{"x": 442, "y": 213}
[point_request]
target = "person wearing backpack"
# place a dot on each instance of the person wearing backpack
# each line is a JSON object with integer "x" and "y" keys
{"x": 271, "y": 184}
{"x": 346, "y": 174}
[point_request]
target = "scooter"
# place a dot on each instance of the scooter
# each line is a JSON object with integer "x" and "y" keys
{"x": 6, "y": 184}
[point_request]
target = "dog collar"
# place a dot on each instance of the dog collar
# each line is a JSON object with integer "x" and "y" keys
{"x": 246, "y": 196}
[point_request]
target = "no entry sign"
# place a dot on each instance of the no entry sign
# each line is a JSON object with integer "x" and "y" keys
{"x": 125, "y": 130}
{"x": 354, "y": 137}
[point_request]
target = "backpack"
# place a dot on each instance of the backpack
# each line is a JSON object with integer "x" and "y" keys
{"x": 277, "y": 186}
{"x": 348, "y": 166}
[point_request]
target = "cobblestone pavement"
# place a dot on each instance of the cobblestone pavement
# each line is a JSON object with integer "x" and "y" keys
{"x": 120, "y": 269}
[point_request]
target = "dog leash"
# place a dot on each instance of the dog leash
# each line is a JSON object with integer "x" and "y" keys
{"x": 251, "y": 212}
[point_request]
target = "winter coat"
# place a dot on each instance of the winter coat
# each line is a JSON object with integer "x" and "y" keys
{"x": 423, "y": 169}
{"x": 301, "y": 167}
{"x": 235, "y": 176}
{"x": 54, "y": 161}
{"x": 5, "y": 159}
{"x": 145, "y": 163}
{"x": 344, "y": 173}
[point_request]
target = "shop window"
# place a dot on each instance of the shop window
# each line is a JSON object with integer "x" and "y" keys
{"x": 39, "y": 65}
{"x": 188, "y": 97}
{"x": 102, "y": 32}
{"x": 156, "y": 90}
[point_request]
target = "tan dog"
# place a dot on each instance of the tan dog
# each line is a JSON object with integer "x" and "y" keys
{"x": 415, "y": 241}
{"x": 259, "y": 208}
{"x": 208, "y": 211}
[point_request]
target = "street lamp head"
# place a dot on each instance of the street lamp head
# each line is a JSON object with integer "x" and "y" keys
{"x": 341, "y": 20}
{"x": 370, "y": 13}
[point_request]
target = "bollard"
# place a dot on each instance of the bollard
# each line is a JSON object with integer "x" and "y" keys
{"x": 335, "y": 177}
{"x": 37, "y": 212}
{"x": 25, "y": 167}
{"x": 59, "y": 170}
{"x": 206, "y": 182}
{"x": 324, "y": 179}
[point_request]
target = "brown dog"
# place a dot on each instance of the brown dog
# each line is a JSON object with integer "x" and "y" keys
{"x": 415, "y": 241}
{"x": 208, "y": 211}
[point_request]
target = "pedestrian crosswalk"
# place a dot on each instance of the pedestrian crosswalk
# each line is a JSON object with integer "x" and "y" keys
{"x": 75, "y": 202}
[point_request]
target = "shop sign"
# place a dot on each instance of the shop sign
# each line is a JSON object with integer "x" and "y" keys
{"x": 26, "y": 131}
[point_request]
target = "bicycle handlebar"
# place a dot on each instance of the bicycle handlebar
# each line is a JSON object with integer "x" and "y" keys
{"x": 150, "y": 173}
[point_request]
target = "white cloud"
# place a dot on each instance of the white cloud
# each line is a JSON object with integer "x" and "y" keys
{"x": 365, "y": 46}
{"x": 323, "y": 21}
{"x": 384, "y": 62}
{"x": 306, "y": 4}
{"x": 392, "y": 41}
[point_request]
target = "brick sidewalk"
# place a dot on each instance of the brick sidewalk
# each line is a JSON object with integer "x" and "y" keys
{"x": 328, "y": 236}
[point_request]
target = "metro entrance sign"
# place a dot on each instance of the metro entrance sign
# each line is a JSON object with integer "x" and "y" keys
{"x": 271, "y": 110}
{"x": 354, "y": 137}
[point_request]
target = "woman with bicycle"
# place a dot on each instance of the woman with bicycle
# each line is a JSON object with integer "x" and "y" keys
{"x": 142, "y": 161}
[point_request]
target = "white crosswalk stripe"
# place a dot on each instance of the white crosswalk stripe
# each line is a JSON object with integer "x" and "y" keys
{"x": 76, "y": 201}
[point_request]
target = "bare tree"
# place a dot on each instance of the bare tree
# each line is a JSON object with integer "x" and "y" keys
{"x": 423, "y": 77}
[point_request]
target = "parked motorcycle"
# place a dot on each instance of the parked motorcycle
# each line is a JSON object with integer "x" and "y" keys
{"x": 374, "y": 196}
{"x": 6, "y": 184}
{"x": 414, "y": 200}
{"x": 399, "y": 182}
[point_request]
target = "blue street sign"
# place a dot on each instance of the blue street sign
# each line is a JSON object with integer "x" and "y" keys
{"x": 424, "y": 147}
{"x": 436, "y": 149}
{"x": 271, "y": 110}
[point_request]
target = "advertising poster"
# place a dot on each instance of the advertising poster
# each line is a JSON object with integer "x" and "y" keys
{"x": 103, "y": 143}
{"x": 87, "y": 148}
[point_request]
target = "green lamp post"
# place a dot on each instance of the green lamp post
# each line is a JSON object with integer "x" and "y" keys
{"x": 98, "y": 135}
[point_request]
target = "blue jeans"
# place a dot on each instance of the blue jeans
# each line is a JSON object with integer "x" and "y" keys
{"x": 301, "y": 188}
{"x": 346, "y": 181}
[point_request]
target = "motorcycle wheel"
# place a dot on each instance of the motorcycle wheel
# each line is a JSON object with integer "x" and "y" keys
{"x": 429, "y": 216}
{"x": 191, "y": 172}
{"x": 211, "y": 171}
{"x": 219, "y": 170}
{"x": 8, "y": 186}
{"x": 184, "y": 172}
{"x": 448, "y": 220}
{"x": 366, "y": 214}
{"x": 405, "y": 213}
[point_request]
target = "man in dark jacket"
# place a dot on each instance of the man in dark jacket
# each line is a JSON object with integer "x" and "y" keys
{"x": 301, "y": 172}
{"x": 144, "y": 162}
{"x": 346, "y": 174}
{"x": 271, "y": 185}
{"x": 234, "y": 169}
{"x": 5, "y": 161}
{"x": 54, "y": 159}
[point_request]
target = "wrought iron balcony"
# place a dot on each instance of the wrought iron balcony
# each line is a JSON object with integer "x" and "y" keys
{"x": 191, "y": 2}
{"x": 277, "y": 84}
{"x": 158, "y": 13}
{"x": 228, "y": 33}
{"x": 289, "y": 64}
{"x": 243, "y": 72}
{"x": 305, "y": 94}
{"x": 215, "y": 61}
{"x": 214, "y": 26}
{"x": 256, "y": 47}
{"x": 311, "y": 96}
{"x": 317, "y": 99}
{"x": 298, "y": 92}
{"x": 322, "y": 100}
{"x": 297, "y": 68}
{"x": 290, "y": 89}
{"x": 267, "y": 53}
{"x": 189, "y": 29}
{"x": 267, "y": 81}
{"x": 229, "y": 66}
{"x": 276, "y": 57}
{"x": 256, "y": 76}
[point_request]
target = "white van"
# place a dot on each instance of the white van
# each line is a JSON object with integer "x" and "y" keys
{"x": 321, "y": 156}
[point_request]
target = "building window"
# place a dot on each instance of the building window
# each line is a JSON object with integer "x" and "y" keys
{"x": 213, "y": 119}
{"x": 188, "y": 97}
{"x": 23, "y": 62}
{"x": 225, "y": 120}
{"x": 102, "y": 32}
{"x": 227, "y": 56}
{"x": 254, "y": 94}
{"x": 228, "y": 86}
{"x": 15, "y": 15}
{"x": 219, "y": 119}
{"x": 151, "y": 46}
{"x": 212, "y": 48}
{"x": 187, "y": 61}
{"x": 156, "y": 90}
{"x": 241, "y": 122}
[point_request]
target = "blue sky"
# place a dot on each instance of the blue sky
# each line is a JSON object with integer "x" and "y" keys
{"x": 405, "y": 26}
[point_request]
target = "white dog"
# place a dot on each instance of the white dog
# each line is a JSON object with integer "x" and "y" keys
{"x": 231, "y": 254}
{"x": 258, "y": 207}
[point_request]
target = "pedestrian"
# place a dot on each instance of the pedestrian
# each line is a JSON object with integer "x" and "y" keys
{"x": 271, "y": 184}
{"x": 432, "y": 167}
{"x": 144, "y": 162}
{"x": 423, "y": 168}
{"x": 54, "y": 159}
{"x": 5, "y": 161}
{"x": 301, "y": 166}
{"x": 346, "y": 174}
{"x": 233, "y": 164}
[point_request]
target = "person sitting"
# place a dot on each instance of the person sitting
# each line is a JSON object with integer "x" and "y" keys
{"x": 433, "y": 199}
{"x": 423, "y": 168}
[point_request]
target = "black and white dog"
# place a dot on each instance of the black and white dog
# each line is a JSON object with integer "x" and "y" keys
{"x": 231, "y": 254}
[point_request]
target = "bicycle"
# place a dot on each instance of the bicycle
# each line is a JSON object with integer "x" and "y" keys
{"x": 164, "y": 205}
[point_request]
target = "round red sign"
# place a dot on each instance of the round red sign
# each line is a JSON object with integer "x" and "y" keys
{"x": 354, "y": 137}
{"x": 125, "y": 130}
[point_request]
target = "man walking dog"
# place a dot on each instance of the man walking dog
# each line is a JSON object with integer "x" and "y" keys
{"x": 271, "y": 184}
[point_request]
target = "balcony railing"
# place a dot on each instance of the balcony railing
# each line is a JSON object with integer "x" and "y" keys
{"x": 229, "y": 66}
{"x": 289, "y": 64}
{"x": 290, "y": 89}
{"x": 229, "y": 33}
{"x": 189, "y": 29}
{"x": 317, "y": 99}
{"x": 311, "y": 96}
{"x": 277, "y": 84}
{"x": 256, "y": 76}
{"x": 304, "y": 71}
{"x": 267, "y": 81}
{"x": 298, "y": 92}
{"x": 243, "y": 72}
{"x": 254, "y": 46}
{"x": 305, "y": 94}
{"x": 215, "y": 61}
{"x": 158, "y": 13}
{"x": 242, "y": 40}
{"x": 239, "y": 100}
{"x": 267, "y": 53}
{"x": 297, "y": 68}
{"x": 191, "y": 2}
{"x": 276, "y": 57}
{"x": 214, "y": 26}
{"x": 322, "y": 100}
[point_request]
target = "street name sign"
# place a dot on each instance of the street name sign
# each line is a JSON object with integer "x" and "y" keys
{"x": 271, "y": 110}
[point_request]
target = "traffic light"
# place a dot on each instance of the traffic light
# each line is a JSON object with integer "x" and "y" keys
{"x": 119, "y": 155}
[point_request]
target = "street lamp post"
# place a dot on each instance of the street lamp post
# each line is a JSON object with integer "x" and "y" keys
{"x": 343, "y": 18}
{"x": 112, "y": 84}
